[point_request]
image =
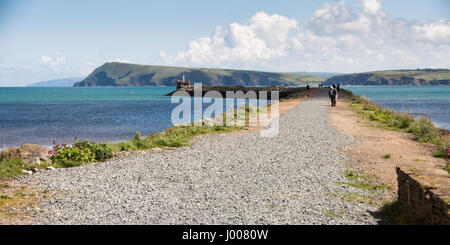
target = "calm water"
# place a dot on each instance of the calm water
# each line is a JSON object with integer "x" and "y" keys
{"x": 39, "y": 115}
{"x": 420, "y": 101}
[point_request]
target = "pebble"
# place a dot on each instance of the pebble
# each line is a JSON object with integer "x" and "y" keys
{"x": 26, "y": 172}
{"x": 238, "y": 178}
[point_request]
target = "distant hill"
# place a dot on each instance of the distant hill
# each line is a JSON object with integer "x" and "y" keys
{"x": 394, "y": 77}
{"x": 124, "y": 74}
{"x": 319, "y": 74}
{"x": 64, "y": 82}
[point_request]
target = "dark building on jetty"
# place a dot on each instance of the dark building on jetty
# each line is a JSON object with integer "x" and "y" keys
{"x": 183, "y": 84}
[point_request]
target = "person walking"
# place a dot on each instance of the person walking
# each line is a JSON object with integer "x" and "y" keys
{"x": 333, "y": 95}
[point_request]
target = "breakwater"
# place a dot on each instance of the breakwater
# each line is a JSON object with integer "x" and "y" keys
{"x": 240, "y": 91}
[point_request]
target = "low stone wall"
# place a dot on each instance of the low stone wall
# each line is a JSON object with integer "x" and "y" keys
{"x": 424, "y": 200}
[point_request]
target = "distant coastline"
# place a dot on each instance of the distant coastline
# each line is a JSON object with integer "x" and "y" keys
{"x": 63, "y": 82}
{"x": 394, "y": 77}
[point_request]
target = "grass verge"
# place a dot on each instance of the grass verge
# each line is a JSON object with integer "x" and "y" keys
{"x": 361, "y": 181}
{"x": 422, "y": 129}
{"x": 11, "y": 167}
{"x": 173, "y": 137}
{"x": 368, "y": 189}
{"x": 84, "y": 152}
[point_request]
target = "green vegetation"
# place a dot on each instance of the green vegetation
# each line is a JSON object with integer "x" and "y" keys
{"x": 83, "y": 152}
{"x": 422, "y": 129}
{"x": 357, "y": 198}
{"x": 66, "y": 156}
{"x": 354, "y": 176}
{"x": 360, "y": 181}
{"x": 447, "y": 168}
{"x": 334, "y": 215}
{"x": 419, "y": 74}
{"x": 444, "y": 152}
{"x": 387, "y": 156}
{"x": 101, "y": 151}
{"x": 176, "y": 136}
{"x": 122, "y": 74}
{"x": 5, "y": 197}
{"x": 10, "y": 167}
{"x": 396, "y": 77}
{"x": 367, "y": 192}
{"x": 425, "y": 131}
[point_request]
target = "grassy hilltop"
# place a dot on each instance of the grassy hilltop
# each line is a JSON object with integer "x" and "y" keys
{"x": 123, "y": 74}
{"x": 395, "y": 77}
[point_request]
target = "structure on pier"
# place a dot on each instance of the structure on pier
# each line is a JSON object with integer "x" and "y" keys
{"x": 183, "y": 84}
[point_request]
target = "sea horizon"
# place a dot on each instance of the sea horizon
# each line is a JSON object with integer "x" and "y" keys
{"x": 39, "y": 115}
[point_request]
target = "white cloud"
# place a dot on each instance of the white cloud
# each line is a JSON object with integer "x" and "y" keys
{"x": 120, "y": 60}
{"x": 371, "y": 6}
{"x": 336, "y": 38}
{"x": 437, "y": 32}
{"x": 58, "y": 60}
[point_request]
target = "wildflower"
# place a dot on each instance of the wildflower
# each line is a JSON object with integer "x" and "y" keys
{"x": 50, "y": 152}
{"x": 54, "y": 142}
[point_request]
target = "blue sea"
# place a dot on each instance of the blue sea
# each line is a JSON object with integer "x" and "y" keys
{"x": 420, "y": 101}
{"x": 111, "y": 114}
{"x": 106, "y": 114}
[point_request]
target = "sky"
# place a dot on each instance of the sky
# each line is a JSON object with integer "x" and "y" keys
{"x": 49, "y": 39}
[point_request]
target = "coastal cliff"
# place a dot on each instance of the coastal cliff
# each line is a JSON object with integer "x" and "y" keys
{"x": 124, "y": 74}
{"x": 395, "y": 77}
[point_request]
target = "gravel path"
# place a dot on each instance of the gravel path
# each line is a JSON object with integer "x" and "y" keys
{"x": 221, "y": 179}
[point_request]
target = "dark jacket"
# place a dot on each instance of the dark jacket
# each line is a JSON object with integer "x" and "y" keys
{"x": 332, "y": 92}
